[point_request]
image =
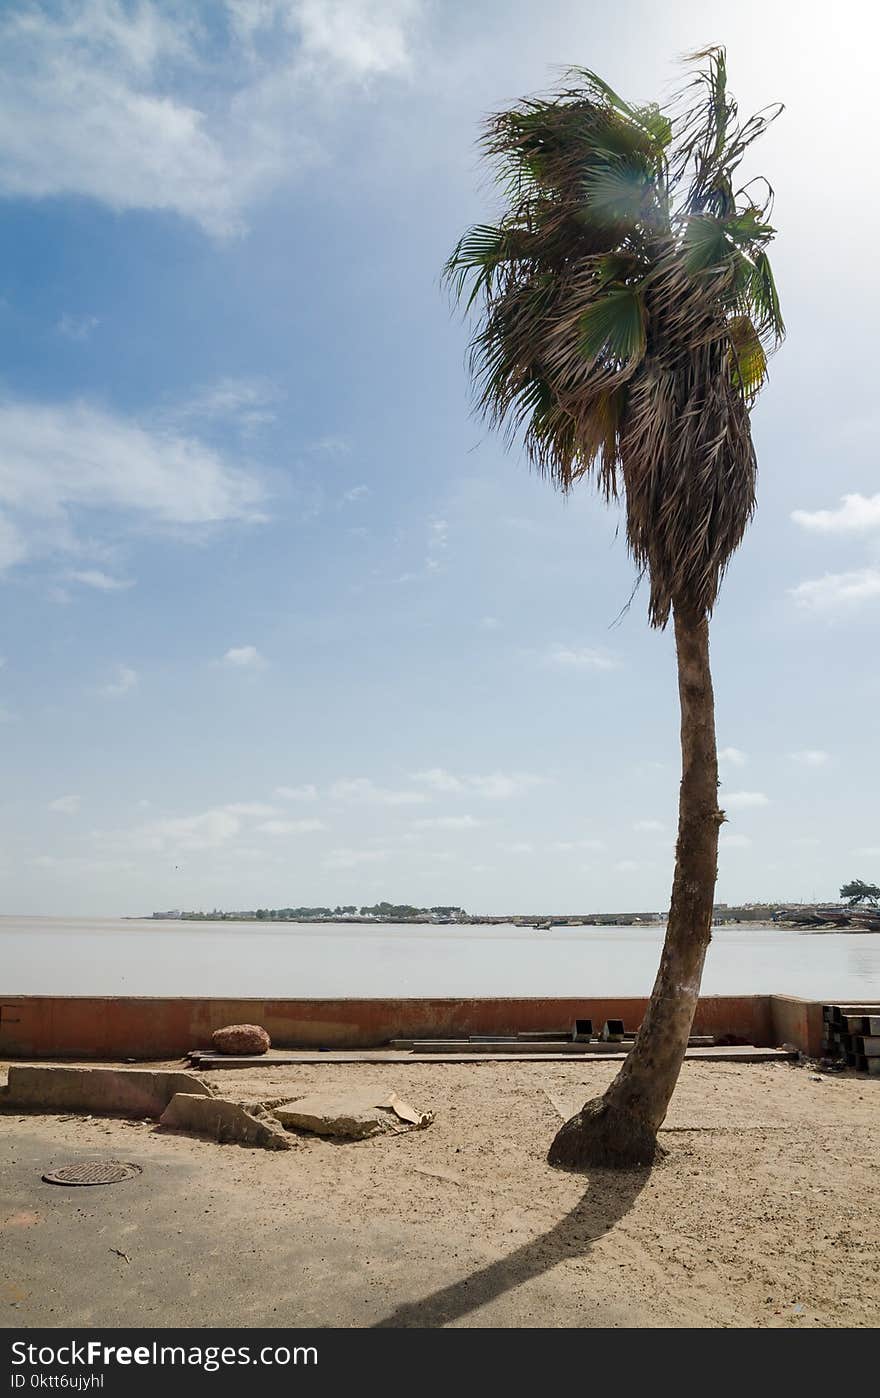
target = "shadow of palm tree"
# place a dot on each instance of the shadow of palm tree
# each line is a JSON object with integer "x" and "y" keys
{"x": 609, "y": 1198}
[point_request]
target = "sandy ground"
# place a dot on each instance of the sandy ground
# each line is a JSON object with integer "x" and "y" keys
{"x": 765, "y": 1212}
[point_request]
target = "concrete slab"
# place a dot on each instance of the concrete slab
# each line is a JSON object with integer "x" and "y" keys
{"x": 226, "y": 1122}
{"x": 106, "y": 1091}
{"x": 352, "y": 1113}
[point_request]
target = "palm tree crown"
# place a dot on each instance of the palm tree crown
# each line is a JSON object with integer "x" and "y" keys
{"x": 627, "y": 309}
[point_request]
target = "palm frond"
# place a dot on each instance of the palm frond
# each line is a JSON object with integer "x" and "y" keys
{"x": 626, "y": 309}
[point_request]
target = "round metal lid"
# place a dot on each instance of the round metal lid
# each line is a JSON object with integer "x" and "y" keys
{"x": 93, "y": 1172}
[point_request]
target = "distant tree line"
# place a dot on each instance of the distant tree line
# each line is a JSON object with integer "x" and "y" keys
{"x": 390, "y": 912}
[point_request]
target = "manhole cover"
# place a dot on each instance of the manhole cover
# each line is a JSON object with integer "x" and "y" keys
{"x": 93, "y": 1172}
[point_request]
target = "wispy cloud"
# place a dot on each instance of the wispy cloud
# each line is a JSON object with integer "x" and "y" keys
{"x": 811, "y": 757}
{"x": 246, "y": 403}
{"x": 57, "y": 459}
{"x": 66, "y": 805}
{"x": 856, "y": 514}
{"x": 495, "y": 786}
{"x": 743, "y": 800}
{"x": 307, "y": 792}
{"x": 732, "y": 757}
{"x": 836, "y": 592}
{"x": 732, "y": 841}
{"x": 353, "y": 858}
{"x": 243, "y": 658}
{"x": 357, "y": 492}
{"x": 291, "y": 827}
{"x": 126, "y": 680}
{"x": 77, "y": 328}
{"x": 463, "y": 822}
{"x": 656, "y": 826}
{"x": 362, "y": 791}
{"x": 573, "y": 846}
{"x": 579, "y": 658}
{"x": 102, "y": 582}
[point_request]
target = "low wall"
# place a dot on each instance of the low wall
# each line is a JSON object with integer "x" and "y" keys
{"x": 120, "y": 1027}
{"x": 797, "y": 1022}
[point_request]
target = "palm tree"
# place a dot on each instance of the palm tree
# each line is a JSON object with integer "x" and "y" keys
{"x": 627, "y": 306}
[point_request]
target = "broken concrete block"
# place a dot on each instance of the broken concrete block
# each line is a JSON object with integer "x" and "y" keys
{"x": 106, "y": 1091}
{"x": 353, "y": 1113}
{"x": 241, "y": 1038}
{"x": 227, "y": 1122}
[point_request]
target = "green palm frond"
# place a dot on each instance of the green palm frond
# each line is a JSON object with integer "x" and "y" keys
{"x": 626, "y": 309}
{"x": 614, "y": 325}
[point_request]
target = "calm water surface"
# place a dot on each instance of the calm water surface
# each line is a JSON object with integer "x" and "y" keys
{"x": 95, "y": 956}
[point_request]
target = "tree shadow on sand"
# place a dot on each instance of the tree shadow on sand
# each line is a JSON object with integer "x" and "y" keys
{"x": 609, "y": 1198}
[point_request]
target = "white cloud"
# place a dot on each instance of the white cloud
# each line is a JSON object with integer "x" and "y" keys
{"x": 250, "y": 808}
{"x": 362, "y": 791}
{"x": 488, "y": 623}
{"x": 103, "y": 582}
{"x": 734, "y": 841}
{"x": 87, "y": 107}
{"x": 246, "y": 403}
{"x": 496, "y": 786}
{"x": 811, "y": 757}
{"x": 625, "y": 866}
{"x": 306, "y": 792}
{"x": 647, "y": 825}
{"x": 291, "y": 827}
{"x": 13, "y": 547}
{"x": 868, "y": 851}
{"x": 56, "y": 459}
{"x": 77, "y": 328}
{"x": 580, "y": 658}
{"x": 837, "y": 591}
{"x": 518, "y": 847}
{"x": 732, "y": 757}
{"x": 352, "y": 858}
{"x": 244, "y": 658}
{"x": 126, "y": 680}
{"x": 438, "y": 541}
{"x": 742, "y": 800}
{"x": 856, "y": 514}
{"x": 66, "y": 805}
{"x": 464, "y": 822}
{"x": 570, "y": 846}
{"x": 357, "y": 492}
{"x": 205, "y": 831}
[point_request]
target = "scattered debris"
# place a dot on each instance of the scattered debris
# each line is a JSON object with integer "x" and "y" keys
{"x": 241, "y": 1038}
{"x": 408, "y": 1113}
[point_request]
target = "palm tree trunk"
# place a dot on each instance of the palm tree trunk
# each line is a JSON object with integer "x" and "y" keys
{"x": 620, "y": 1128}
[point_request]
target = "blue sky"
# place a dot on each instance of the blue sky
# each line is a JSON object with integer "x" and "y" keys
{"x": 282, "y": 622}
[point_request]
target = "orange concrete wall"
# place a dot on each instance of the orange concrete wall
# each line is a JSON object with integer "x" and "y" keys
{"x": 797, "y": 1022}
{"x": 41, "y": 1026}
